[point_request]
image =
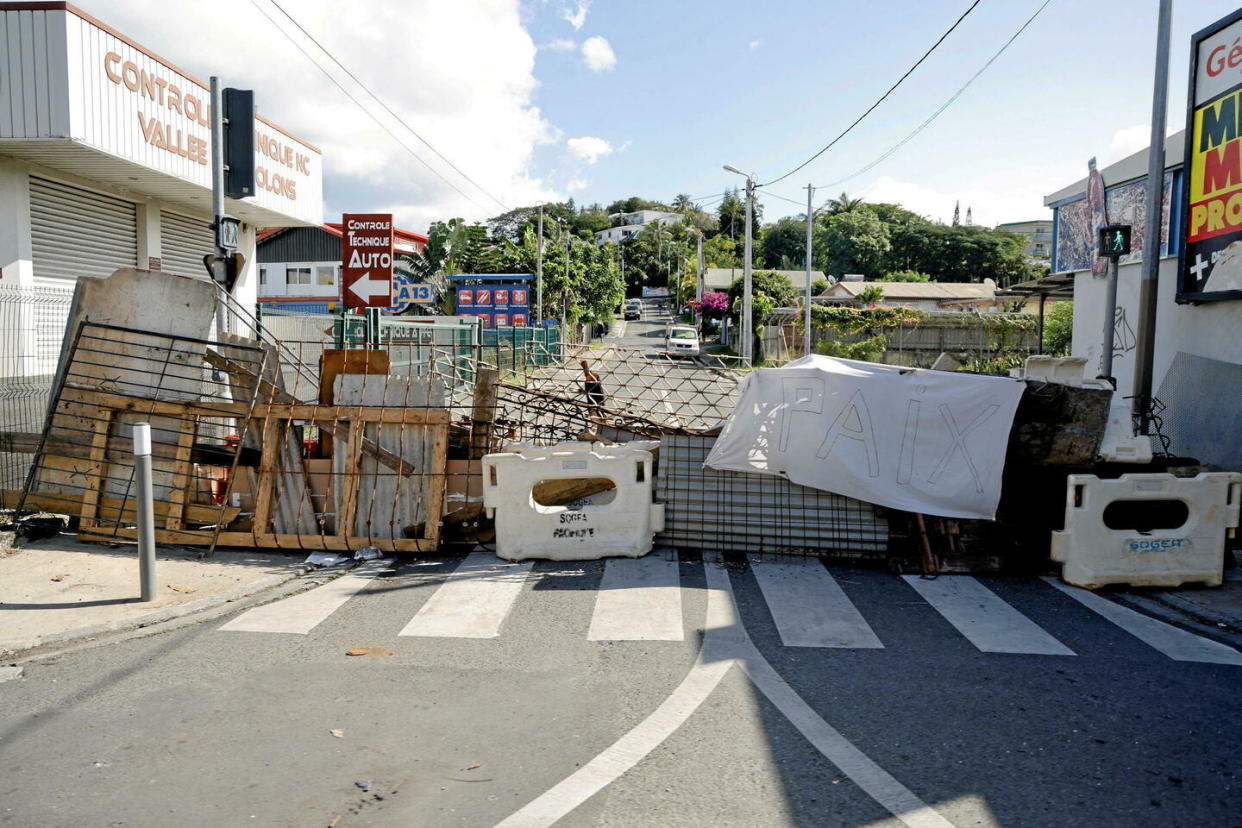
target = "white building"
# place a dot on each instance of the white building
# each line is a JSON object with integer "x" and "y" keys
{"x": 631, "y": 224}
{"x": 1198, "y": 353}
{"x": 105, "y": 158}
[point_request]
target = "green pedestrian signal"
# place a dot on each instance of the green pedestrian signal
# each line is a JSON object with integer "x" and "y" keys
{"x": 1114, "y": 240}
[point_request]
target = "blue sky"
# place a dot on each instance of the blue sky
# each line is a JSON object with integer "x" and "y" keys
{"x": 762, "y": 86}
{"x": 542, "y": 99}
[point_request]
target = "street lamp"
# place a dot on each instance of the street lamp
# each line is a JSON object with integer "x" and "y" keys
{"x": 747, "y": 338}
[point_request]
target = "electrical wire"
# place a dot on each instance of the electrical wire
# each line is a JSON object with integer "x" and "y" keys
{"x": 943, "y": 106}
{"x": 880, "y": 100}
{"x": 378, "y": 100}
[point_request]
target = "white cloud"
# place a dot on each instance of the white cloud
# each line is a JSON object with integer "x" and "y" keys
{"x": 588, "y": 148}
{"x": 561, "y": 44}
{"x": 470, "y": 96}
{"x": 754, "y": 44}
{"x": 577, "y": 184}
{"x": 576, "y": 15}
{"x": 994, "y": 199}
{"x": 1126, "y": 142}
{"x": 598, "y": 54}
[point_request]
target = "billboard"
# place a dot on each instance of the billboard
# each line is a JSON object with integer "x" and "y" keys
{"x": 498, "y": 305}
{"x": 1211, "y": 263}
{"x": 366, "y": 260}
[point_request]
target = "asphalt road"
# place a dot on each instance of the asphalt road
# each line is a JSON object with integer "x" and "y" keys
{"x": 547, "y": 714}
{"x": 647, "y": 332}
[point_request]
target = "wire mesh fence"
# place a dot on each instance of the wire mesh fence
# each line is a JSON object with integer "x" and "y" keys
{"x": 32, "y": 329}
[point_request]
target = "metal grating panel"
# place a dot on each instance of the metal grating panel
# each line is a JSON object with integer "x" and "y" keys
{"x": 724, "y": 510}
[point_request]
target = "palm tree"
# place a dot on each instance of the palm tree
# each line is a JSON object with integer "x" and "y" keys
{"x": 682, "y": 203}
{"x": 843, "y": 204}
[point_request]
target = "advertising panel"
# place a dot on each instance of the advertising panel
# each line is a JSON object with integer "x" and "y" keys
{"x": 1211, "y": 262}
{"x": 366, "y": 260}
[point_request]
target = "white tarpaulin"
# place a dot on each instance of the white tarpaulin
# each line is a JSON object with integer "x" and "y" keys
{"x": 911, "y": 439}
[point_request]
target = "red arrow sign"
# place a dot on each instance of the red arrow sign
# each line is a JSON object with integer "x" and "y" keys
{"x": 366, "y": 260}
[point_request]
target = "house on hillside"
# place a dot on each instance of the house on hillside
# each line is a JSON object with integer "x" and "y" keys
{"x": 626, "y": 225}
{"x": 301, "y": 266}
{"x": 1038, "y": 234}
{"x": 719, "y": 278}
{"x": 927, "y": 296}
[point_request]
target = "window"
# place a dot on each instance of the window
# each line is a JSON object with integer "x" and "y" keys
{"x": 262, "y": 276}
{"x": 298, "y": 276}
{"x": 325, "y": 275}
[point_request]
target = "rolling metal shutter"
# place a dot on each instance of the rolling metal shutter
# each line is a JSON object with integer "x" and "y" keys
{"x": 184, "y": 241}
{"x": 75, "y": 232}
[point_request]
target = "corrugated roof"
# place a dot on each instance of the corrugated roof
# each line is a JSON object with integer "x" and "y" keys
{"x": 940, "y": 291}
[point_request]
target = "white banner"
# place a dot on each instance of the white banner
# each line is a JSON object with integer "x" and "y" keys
{"x": 911, "y": 439}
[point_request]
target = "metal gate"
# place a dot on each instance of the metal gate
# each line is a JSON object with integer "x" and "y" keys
{"x": 76, "y": 232}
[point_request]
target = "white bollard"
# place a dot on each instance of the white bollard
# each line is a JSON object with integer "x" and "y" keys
{"x": 146, "y": 510}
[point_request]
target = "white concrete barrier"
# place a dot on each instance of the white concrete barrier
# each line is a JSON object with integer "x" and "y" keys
{"x": 1094, "y": 555}
{"x": 620, "y": 525}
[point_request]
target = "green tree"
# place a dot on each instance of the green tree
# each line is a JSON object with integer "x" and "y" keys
{"x": 870, "y": 295}
{"x": 894, "y": 214}
{"x": 731, "y": 215}
{"x": 842, "y": 204}
{"x": 783, "y": 245}
{"x": 1059, "y": 329}
{"x": 852, "y": 242}
{"x": 905, "y": 276}
{"x": 959, "y": 253}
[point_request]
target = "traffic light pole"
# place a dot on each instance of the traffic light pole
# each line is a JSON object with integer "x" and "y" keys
{"x": 1110, "y": 322}
{"x": 218, "y": 272}
{"x": 748, "y": 337}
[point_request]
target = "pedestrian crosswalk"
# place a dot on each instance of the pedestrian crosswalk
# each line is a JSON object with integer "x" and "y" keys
{"x": 642, "y": 600}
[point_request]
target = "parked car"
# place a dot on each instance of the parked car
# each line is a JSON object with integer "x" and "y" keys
{"x": 634, "y": 309}
{"x": 682, "y": 340}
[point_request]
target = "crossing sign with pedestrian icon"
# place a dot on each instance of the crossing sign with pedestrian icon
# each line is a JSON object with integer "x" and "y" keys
{"x": 1114, "y": 240}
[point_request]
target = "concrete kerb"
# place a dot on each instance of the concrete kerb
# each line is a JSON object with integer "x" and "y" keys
{"x": 202, "y": 609}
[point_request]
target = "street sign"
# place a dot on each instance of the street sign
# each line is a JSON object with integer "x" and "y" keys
{"x": 1114, "y": 240}
{"x": 227, "y": 231}
{"x": 366, "y": 260}
{"x": 406, "y": 293}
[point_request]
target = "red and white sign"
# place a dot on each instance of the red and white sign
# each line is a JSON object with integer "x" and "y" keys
{"x": 482, "y": 296}
{"x": 519, "y": 320}
{"x": 500, "y": 320}
{"x": 502, "y": 296}
{"x": 366, "y": 260}
{"x": 519, "y": 296}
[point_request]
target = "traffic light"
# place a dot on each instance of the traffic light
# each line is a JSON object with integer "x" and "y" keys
{"x": 1114, "y": 240}
{"x": 238, "y": 111}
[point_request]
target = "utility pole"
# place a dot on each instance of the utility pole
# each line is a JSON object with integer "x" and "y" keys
{"x": 747, "y": 332}
{"x": 539, "y": 272}
{"x": 1145, "y": 346}
{"x": 806, "y": 323}
{"x": 218, "y": 272}
{"x": 698, "y": 267}
{"x": 565, "y": 293}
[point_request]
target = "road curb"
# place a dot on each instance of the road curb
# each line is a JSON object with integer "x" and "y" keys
{"x": 1184, "y": 614}
{"x": 160, "y": 616}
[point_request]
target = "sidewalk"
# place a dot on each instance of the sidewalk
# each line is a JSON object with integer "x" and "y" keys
{"x": 58, "y": 589}
{"x": 1212, "y": 611}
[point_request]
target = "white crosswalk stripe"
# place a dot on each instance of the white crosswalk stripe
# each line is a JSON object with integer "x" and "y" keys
{"x": 639, "y": 599}
{"x": 474, "y": 601}
{"x": 987, "y": 621}
{"x": 303, "y": 612}
{"x": 809, "y": 607}
{"x": 1177, "y": 644}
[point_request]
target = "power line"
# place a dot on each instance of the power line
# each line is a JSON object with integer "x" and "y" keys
{"x": 881, "y": 98}
{"x": 378, "y": 100}
{"x": 943, "y": 106}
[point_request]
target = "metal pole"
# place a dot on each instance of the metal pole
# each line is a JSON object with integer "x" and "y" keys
{"x": 806, "y": 322}
{"x": 539, "y": 272}
{"x": 1110, "y": 323}
{"x": 747, "y": 334}
{"x": 698, "y": 267}
{"x": 1145, "y": 346}
{"x": 565, "y": 296}
{"x": 217, "y": 197}
{"x": 146, "y": 510}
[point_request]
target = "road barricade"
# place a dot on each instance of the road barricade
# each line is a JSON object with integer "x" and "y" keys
{"x": 619, "y": 522}
{"x": 1149, "y": 543}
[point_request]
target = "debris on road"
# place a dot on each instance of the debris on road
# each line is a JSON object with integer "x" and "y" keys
{"x": 338, "y": 733}
{"x": 176, "y": 588}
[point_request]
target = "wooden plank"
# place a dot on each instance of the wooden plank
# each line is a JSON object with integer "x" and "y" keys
{"x": 114, "y": 508}
{"x": 483, "y": 411}
{"x": 353, "y": 469}
{"x": 182, "y": 476}
{"x": 73, "y": 392}
{"x": 324, "y": 415}
{"x": 269, "y": 469}
{"x": 435, "y": 480}
{"x": 299, "y": 543}
{"x": 94, "y": 485}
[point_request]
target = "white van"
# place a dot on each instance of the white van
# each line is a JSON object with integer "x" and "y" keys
{"x": 682, "y": 340}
